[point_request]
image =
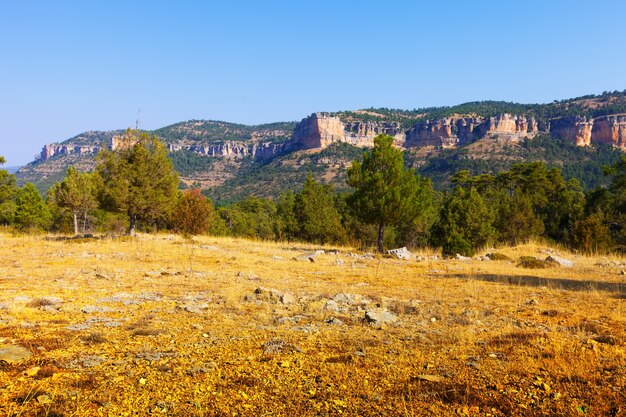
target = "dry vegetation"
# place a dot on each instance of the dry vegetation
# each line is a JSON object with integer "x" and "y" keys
{"x": 157, "y": 325}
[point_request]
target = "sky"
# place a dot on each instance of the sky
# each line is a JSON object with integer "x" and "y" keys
{"x": 71, "y": 66}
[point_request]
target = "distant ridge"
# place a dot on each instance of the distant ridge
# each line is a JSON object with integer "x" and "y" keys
{"x": 12, "y": 170}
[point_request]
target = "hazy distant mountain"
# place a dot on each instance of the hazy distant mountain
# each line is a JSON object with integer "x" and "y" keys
{"x": 12, "y": 170}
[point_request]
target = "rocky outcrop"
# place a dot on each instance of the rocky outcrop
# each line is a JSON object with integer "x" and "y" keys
{"x": 575, "y": 129}
{"x": 452, "y": 131}
{"x": 610, "y": 130}
{"x": 322, "y": 129}
{"x": 54, "y": 149}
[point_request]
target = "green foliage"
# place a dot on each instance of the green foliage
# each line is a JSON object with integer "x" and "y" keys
{"x": 288, "y": 227}
{"x": 75, "y": 195}
{"x": 187, "y": 162}
{"x": 31, "y": 211}
{"x": 591, "y": 235}
{"x": 194, "y": 214}
{"x": 516, "y": 221}
{"x": 465, "y": 223}
{"x": 7, "y": 195}
{"x": 138, "y": 179}
{"x": 386, "y": 193}
{"x": 315, "y": 211}
{"x": 253, "y": 218}
{"x": 212, "y": 131}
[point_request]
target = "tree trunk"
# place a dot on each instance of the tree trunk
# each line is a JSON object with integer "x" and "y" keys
{"x": 75, "y": 223}
{"x": 381, "y": 233}
{"x": 133, "y": 224}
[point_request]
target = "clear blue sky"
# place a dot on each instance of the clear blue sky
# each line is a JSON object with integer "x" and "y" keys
{"x": 71, "y": 66}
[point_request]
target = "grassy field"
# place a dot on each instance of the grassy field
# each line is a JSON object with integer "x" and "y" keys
{"x": 158, "y": 325}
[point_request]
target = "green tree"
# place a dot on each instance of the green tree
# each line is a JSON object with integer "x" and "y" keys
{"x": 287, "y": 223}
{"x": 385, "y": 192}
{"x": 465, "y": 223}
{"x": 315, "y": 211}
{"x": 253, "y": 218}
{"x": 194, "y": 213}
{"x": 516, "y": 221}
{"x": 75, "y": 195}
{"x": 138, "y": 179}
{"x": 7, "y": 195}
{"x": 31, "y": 211}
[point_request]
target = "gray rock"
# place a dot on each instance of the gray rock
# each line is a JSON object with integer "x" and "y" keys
{"x": 332, "y": 305}
{"x": 561, "y": 261}
{"x": 95, "y": 309}
{"x": 193, "y": 307}
{"x": 380, "y": 316}
{"x": 334, "y": 321}
{"x": 287, "y": 298}
{"x": 14, "y": 353}
{"x": 460, "y": 257}
{"x": 401, "y": 253}
{"x": 309, "y": 257}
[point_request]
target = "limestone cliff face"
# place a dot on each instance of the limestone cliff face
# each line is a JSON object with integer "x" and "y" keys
{"x": 575, "y": 129}
{"x": 53, "y": 149}
{"x": 265, "y": 150}
{"x": 320, "y": 130}
{"x": 610, "y": 130}
{"x": 454, "y": 131}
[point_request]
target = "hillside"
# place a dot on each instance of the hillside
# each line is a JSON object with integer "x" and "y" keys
{"x": 230, "y": 160}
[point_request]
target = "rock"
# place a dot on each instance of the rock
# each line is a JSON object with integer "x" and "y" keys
{"x": 332, "y": 305}
{"x": 460, "y": 257}
{"x": 14, "y": 353}
{"x": 95, "y": 309}
{"x": 401, "y": 253}
{"x": 277, "y": 258}
{"x": 380, "y": 316}
{"x": 32, "y": 371}
{"x": 431, "y": 378}
{"x": 193, "y": 307}
{"x": 561, "y": 261}
{"x": 287, "y": 298}
{"x": 310, "y": 257}
{"x": 334, "y": 321}
{"x": 339, "y": 262}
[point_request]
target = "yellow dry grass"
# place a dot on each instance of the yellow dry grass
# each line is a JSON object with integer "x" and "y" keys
{"x": 158, "y": 325}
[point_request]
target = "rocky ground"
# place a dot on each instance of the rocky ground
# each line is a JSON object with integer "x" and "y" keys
{"x": 216, "y": 326}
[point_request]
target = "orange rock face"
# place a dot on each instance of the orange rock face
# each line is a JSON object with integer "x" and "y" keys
{"x": 610, "y": 130}
{"x": 575, "y": 129}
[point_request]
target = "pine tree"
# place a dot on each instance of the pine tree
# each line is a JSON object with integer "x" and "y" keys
{"x": 7, "y": 195}
{"x": 76, "y": 195}
{"x": 315, "y": 211}
{"x": 31, "y": 211}
{"x": 465, "y": 223}
{"x": 385, "y": 192}
{"x": 139, "y": 179}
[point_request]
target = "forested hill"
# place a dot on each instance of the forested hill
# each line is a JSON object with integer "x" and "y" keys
{"x": 230, "y": 161}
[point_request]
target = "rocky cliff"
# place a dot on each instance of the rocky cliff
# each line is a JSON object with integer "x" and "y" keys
{"x": 320, "y": 130}
{"x": 610, "y": 130}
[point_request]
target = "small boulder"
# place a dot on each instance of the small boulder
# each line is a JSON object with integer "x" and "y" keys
{"x": 380, "y": 316}
{"x": 14, "y": 353}
{"x": 310, "y": 257}
{"x": 401, "y": 253}
{"x": 561, "y": 261}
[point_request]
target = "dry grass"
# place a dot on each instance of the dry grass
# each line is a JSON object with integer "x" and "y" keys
{"x": 162, "y": 325}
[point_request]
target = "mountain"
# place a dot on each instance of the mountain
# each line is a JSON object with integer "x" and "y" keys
{"x": 11, "y": 170}
{"x": 231, "y": 160}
